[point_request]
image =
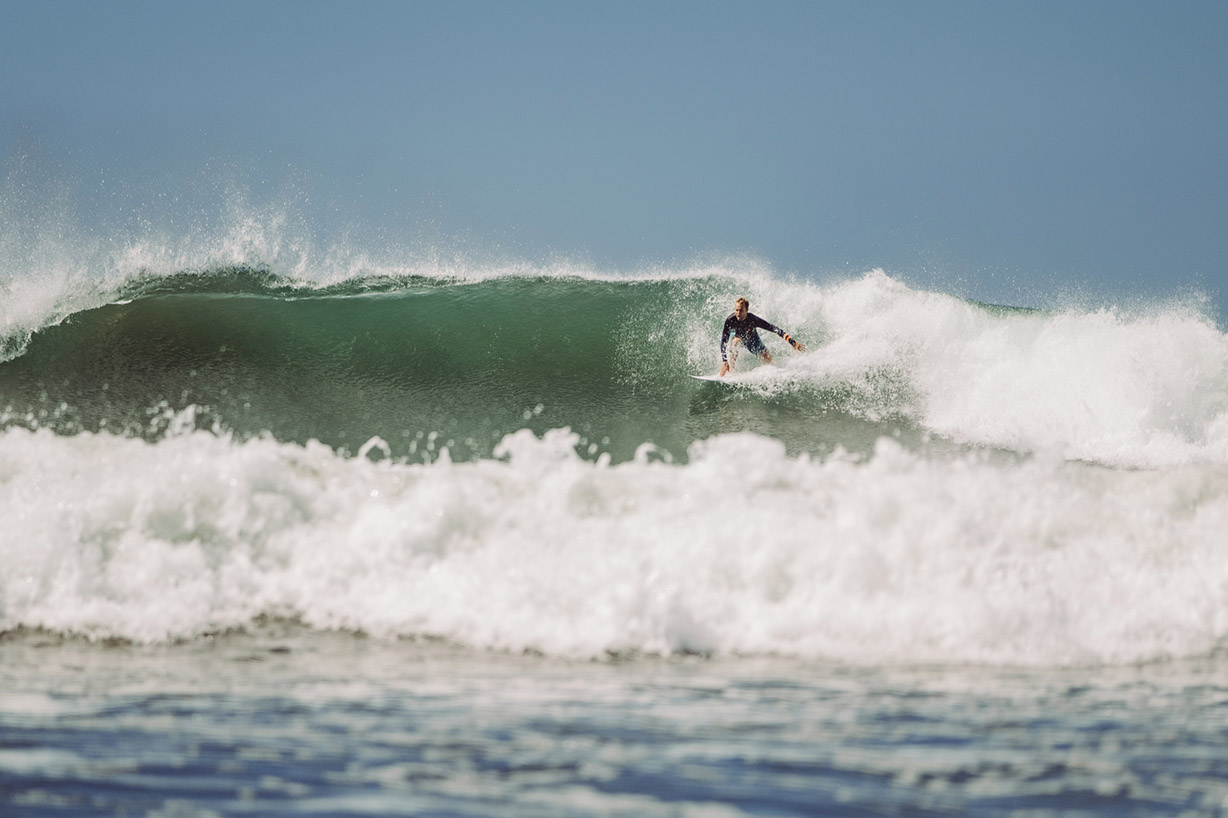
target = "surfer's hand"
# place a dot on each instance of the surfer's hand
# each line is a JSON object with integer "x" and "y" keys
{"x": 799, "y": 346}
{"x": 724, "y": 368}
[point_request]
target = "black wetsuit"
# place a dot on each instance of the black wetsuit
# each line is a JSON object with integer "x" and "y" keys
{"x": 745, "y": 329}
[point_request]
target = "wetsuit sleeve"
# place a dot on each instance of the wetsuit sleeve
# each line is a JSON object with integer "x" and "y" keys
{"x": 768, "y": 325}
{"x": 725, "y": 337}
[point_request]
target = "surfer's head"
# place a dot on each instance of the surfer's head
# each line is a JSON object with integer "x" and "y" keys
{"x": 741, "y": 307}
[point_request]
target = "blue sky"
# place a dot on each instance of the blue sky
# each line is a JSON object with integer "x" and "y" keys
{"x": 999, "y": 149}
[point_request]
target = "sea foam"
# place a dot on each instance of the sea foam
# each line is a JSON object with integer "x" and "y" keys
{"x": 889, "y": 559}
{"x": 1132, "y": 389}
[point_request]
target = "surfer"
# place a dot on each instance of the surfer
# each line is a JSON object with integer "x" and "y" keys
{"x": 740, "y": 329}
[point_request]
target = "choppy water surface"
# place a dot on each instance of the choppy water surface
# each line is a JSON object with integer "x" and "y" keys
{"x": 289, "y": 722}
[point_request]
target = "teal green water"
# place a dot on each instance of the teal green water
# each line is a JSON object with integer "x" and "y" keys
{"x": 424, "y": 364}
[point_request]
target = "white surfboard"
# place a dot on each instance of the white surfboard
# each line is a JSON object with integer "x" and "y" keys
{"x": 730, "y": 378}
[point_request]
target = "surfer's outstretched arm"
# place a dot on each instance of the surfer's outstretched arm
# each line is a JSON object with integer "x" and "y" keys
{"x": 767, "y": 325}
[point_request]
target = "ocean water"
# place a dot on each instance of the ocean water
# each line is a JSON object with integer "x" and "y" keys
{"x": 350, "y": 538}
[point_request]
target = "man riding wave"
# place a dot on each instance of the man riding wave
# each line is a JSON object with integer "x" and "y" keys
{"x": 740, "y": 328}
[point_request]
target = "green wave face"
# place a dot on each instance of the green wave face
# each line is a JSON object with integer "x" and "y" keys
{"x": 422, "y": 364}
{"x": 415, "y": 364}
